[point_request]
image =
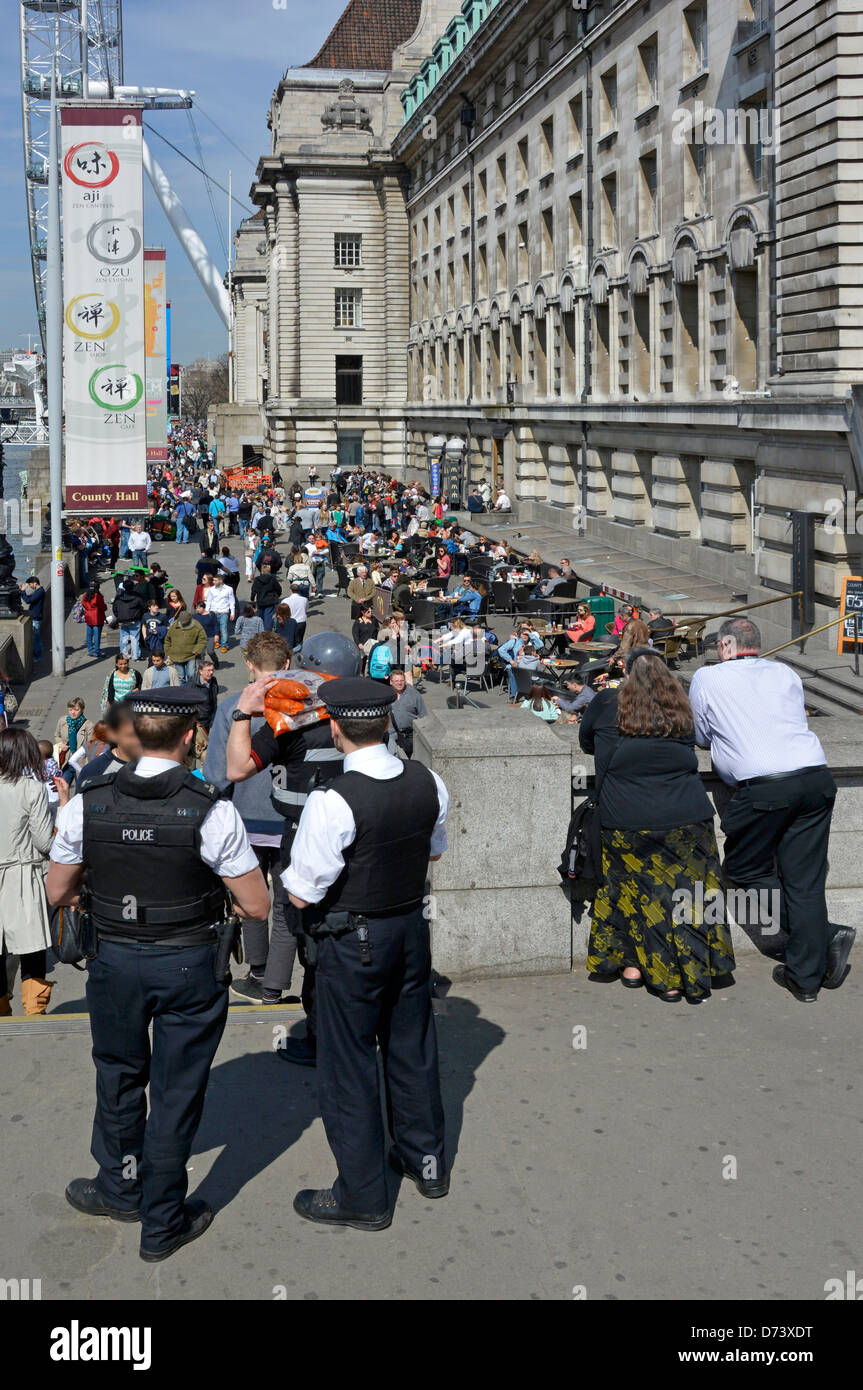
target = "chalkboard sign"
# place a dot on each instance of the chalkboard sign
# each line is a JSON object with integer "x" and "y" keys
{"x": 852, "y": 601}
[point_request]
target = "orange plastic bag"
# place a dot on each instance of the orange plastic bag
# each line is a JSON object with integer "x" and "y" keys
{"x": 294, "y": 702}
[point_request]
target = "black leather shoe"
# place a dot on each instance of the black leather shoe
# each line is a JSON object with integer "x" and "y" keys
{"x": 427, "y": 1187}
{"x": 320, "y": 1204}
{"x": 197, "y": 1218}
{"x": 83, "y": 1195}
{"x": 837, "y": 957}
{"x": 781, "y": 976}
{"x": 300, "y": 1051}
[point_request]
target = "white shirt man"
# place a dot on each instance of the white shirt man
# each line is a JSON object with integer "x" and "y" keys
{"x": 751, "y": 713}
{"x": 139, "y": 540}
{"x": 298, "y": 606}
{"x": 219, "y": 598}
{"x": 503, "y": 503}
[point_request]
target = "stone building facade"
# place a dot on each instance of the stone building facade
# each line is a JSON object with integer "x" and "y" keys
{"x": 635, "y": 270}
{"x": 238, "y": 428}
{"x": 332, "y": 199}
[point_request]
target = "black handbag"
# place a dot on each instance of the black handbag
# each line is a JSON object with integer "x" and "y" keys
{"x": 580, "y": 867}
{"x": 73, "y": 935}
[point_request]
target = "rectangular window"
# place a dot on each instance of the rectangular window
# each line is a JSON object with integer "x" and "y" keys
{"x": 576, "y": 126}
{"x": 349, "y": 380}
{"x": 501, "y": 262}
{"x": 547, "y": 145}
{"x": 349, "y": 248}
{"x": 695, "y": 38}
{"x": 523, "y": 172}
{"x": 647, "y": 194}
{"x": 608, "y": 101}
{"x": 547, "y": 230}
{"x": 522, "y": 260}
{"x": 609, "y": 210}
{"x": 482, "y": 194}
{"x": 349, "y": 308}
{"x": 647, "y": 69}
{"x": 576, "y": 229}
{"x": 501, "y": 179}
{"x": 482, "y": 272}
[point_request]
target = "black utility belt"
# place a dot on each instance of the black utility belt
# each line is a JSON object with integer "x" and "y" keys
{"x": 201, "y": 936}
{"x": 781, "y": 776}
{"x": 341, "y": 921}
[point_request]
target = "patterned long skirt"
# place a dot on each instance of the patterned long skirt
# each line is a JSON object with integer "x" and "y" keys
{"x": 661, "y": 909}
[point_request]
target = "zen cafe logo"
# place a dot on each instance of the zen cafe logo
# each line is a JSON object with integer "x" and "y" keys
{"x": 77, "y": 1343}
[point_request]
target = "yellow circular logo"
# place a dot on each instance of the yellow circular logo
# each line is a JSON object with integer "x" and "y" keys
{"x": 92, "y": 316}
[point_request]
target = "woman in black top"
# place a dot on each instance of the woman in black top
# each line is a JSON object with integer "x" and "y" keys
{"x": 658, "y": 917}
{"x": 364, "y": 625}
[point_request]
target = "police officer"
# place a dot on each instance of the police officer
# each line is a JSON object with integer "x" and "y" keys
{"x": 158, "y": 848}
{"x": 301, "y": 760}
{"x": 358, "y": 875}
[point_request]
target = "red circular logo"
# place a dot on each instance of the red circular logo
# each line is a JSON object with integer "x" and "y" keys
{"x": 87, "y": 169}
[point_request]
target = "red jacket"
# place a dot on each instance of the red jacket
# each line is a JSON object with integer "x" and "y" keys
{"x": 94, "y": 610}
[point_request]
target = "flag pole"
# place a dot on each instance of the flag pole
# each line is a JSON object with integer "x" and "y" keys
{"x": 54, "y": 353}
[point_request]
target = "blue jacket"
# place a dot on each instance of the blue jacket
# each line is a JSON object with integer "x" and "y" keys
{"x": 251, "y": 798}
{"x": 510, "y": 649}
{"x": 35, "y": 600}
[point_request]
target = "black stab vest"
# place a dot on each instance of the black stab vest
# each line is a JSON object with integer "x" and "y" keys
{"x": 146, "y": 879}
{"x": 387, "y": 865}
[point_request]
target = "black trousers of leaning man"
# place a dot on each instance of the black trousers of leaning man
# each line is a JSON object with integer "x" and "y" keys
{"x": 142, "y": 1158}
{"x": 777, "y": 832}
{"x": 386, "y": 1003}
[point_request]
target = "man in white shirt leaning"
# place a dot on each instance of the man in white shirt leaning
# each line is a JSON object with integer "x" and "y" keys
{"x": 751, "y": 714}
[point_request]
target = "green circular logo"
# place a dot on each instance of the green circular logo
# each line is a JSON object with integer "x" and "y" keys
{"x": 115, "y": 388}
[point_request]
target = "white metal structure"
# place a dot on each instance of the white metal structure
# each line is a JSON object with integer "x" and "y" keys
{"x": 84, "y": 38}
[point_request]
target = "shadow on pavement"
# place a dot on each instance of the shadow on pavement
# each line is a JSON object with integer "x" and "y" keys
{"x": 258, "y": 1106}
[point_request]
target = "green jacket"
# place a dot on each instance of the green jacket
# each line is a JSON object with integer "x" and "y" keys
{"x": 182, "y": 643}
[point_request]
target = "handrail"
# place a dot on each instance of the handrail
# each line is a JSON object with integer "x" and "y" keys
{"x": 747, "y": 607}
{"x": 852, "y": 613}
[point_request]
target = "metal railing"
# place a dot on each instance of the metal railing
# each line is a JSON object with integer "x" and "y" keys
{"x": 852, "y": 613}
{"x": 748, "y": 607}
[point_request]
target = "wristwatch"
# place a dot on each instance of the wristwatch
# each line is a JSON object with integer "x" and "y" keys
{"x": 239, "y": 716}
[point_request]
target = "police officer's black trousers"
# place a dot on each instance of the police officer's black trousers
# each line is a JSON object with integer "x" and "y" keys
{"x": 142, "y": 1158}
{"x": 358, "y": 1006}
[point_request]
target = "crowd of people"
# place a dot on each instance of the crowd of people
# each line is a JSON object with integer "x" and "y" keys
{"x": 417, "y": 586}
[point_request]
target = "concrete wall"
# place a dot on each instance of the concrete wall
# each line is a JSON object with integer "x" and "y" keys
{"x": 498, "y": 909}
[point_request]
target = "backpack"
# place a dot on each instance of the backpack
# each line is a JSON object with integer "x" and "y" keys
{"x": 380, "y": 662}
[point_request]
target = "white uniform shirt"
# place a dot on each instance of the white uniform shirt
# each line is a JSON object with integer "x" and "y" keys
{"x": 751, "y": 714}
{"x": 327, "y": 827}
{"x": 225, "y": 845}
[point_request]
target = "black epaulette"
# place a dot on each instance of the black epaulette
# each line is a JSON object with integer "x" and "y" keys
{"x": 207, "y": 789}
{"x": 104, "y": 779}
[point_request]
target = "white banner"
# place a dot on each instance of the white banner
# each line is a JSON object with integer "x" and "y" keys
{"x": 155, "y": 351}
{"x": 103, "y": 304}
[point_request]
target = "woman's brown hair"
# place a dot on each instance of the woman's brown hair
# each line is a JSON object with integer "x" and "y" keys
{"x": 652, "y": 703}
{"x": 538, "y": 696}
{"x": 635, "y": 634}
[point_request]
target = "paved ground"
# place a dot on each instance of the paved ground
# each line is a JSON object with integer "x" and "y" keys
{"x": 602, "y": 1166}
{"x": 680, "y": 1152}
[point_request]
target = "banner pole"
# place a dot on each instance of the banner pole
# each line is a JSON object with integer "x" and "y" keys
{"x": 54, "y": 353}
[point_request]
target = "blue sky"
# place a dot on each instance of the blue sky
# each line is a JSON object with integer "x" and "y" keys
{"x": 232, "y": 56}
